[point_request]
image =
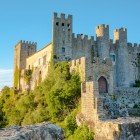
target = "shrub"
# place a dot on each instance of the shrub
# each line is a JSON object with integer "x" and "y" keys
{"x": 52, "y": 100}
{"x": 82, "y": 133}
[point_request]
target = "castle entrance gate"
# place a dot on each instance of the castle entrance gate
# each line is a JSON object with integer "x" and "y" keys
{"x": 102, "y": 85}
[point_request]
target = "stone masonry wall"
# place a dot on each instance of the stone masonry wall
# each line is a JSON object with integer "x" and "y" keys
{"x": 39, "y": 63}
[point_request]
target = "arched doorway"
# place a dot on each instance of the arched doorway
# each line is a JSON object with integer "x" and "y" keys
{"x": 102, "y": 85}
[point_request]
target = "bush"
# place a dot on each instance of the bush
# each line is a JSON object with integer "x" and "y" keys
{"x": 82, "y": 133}
{"x": 70, "y": 124}
{"x": 64, "y": 94}
{"x": 52, "y": 100}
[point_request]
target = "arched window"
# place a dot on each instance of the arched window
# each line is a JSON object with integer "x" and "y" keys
{"x": 102, "y": 85}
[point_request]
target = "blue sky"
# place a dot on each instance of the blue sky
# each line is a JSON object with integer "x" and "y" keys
{"x": 31, "y": 20}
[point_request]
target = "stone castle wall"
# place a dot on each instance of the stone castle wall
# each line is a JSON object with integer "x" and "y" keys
{"x": 39, "y": 64}
{"x": 67, "y": 46}
{"x": 103, "y": 66}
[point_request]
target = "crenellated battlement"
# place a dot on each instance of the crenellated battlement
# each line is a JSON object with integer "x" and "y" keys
{"x": 81, "y": 37}
{"x": 120, "y": 35}
{"x": 62, "y": 16}
{"x": 28, "y": 43}
{"x": 133, "y": 45}
{"x": 120, "y": 30}
{"x": 102, "y": 26}
{"x": 102, "y": 32}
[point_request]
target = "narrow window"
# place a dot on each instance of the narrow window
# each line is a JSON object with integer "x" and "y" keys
{"x": 39, "y": 61}
{"x": 68, "y": 25}
{"x": 80, "y": 61}
{"x": 57, "y": 23}
{"x": 63, "y": 50}
{"x": 74, "y": 62}
{"x": 112, "y": 56}
{"x": 84, "y": 87}
{"x": 44, "y": 60}
{"x": 63, "y": 24}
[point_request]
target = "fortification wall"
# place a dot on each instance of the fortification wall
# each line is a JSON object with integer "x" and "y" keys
{"x": 134, "y": 65}
{"x": 82, "y": 46}
{"x": 103, "y": 68}
{"x": 39, "y": 64}
{"x": 79, "y": 65}
{"x": 40, "y": 58}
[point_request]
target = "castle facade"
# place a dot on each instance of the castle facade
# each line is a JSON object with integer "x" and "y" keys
{"x": 66, "y": 46}
{"x": 106, "y": 67}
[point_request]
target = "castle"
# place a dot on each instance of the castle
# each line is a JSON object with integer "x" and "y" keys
{"x": 108, "y": 70}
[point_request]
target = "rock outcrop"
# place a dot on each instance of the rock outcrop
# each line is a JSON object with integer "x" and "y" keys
{"x": 43, "y": 131}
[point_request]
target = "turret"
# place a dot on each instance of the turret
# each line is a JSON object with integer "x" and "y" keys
{"x": 62, "y": 37}
{"x": 102, "y": 37}
{"x": 120, "y": 36}
{"x": 122, "y": 55}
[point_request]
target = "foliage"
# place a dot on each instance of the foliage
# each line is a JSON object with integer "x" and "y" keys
{"x": 52, "y": 100}
{"x": 62, "y": 99}
{"x": 5, "y": 91}
{"x": 69, "y": 124}
{"x": 56, "y": 99}
{"x": 28, "y": 75}
{"x": 16, "y": 77}
{"x": 82, "y": 133}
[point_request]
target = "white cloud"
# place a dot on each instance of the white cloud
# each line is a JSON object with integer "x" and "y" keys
{"x": 6, "y": 77}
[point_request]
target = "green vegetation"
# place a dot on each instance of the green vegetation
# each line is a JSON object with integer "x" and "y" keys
{"x": 16, "y": 77}
{"x": 27, "y": 76}
{"x": 56, "y": 100}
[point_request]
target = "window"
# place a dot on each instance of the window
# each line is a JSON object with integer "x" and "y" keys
{"x": 63, "y": 24}
{"x": 112, "y": 56}
{"x": 63, "y": 50}
{"x": 84, "y": 87}
{"x": 39, "y": 61}
{"x": 68, "y": 25}
{"x": 74, "y": 62}
{"x": 80, "y": 61}
{"x": 57, "y": 23}
{"x": 44, "y": 60}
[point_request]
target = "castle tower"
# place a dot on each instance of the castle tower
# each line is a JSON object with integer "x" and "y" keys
{"x": 102, "y": 37}
{"x": 22, "y": 51}
{"x": 62, "y": 37}
{"x": 122, "y": 58}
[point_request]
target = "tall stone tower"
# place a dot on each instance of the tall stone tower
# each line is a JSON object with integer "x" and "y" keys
{"x": 62, "y": 37}
{"x": 122, "y": 63}
{"x": 22, "y": 51}
{"x": 102, "y": 37}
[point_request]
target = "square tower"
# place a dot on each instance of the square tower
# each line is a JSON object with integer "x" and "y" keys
{"x": 22, "y": 51}
{"x": 62, "y": 37}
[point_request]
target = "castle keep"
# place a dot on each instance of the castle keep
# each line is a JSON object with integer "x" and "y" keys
{"x": 108, "y": 69}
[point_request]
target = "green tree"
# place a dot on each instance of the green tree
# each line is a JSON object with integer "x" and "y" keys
{"x": 82, "y": 133}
